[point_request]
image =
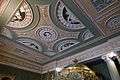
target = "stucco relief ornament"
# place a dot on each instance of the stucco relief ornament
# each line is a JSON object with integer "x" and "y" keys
{"x": 47, "y": 34}
{"x": 65, "y": 44}
{"x": 67, "y": 18}
{"x": 22, "y": 18}
{"x": 101, "y": 4}
{"x": 87, "y": 35}
{"x": 113, "y": 22}
{"x": 30, "y": 43}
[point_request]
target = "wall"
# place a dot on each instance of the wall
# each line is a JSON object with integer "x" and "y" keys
{"x": 100, "y": 67}
{"x": 20, "y": 74}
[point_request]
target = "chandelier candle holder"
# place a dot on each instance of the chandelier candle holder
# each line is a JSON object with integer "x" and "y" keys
{"x": 76, "y": 72}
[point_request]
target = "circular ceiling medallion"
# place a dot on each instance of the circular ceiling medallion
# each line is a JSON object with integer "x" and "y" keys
{"x": 67, "y": 18}
{"x": 47, "y": 34}
{"x": 22, "y": 18}
{"x": 30, "y": 43}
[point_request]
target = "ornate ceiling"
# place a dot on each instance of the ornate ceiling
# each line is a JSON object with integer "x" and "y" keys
{"x": 45, "y": 30}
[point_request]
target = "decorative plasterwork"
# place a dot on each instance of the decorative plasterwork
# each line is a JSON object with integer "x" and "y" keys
{"x": 107, "y": 10}
{"x": 50, "y": 42}
{"x": 67, "y": 18}
{"x": 113, "y": 22}
{"x": 30, "y": 43}
{"x": 50, "y": 53}
{"x": 6, "y": 32}
{"x": 20, "y": 64}
{"x": 90, "y": 10}
{"x": 101, "y": 4}
{"x": 19, "y": 50}
{"x": 44, "y": 14}
{"x": 45, "y": 30}
{"x": 87, "y": 35}
{"x": 94, "y": 52}
{"x": 3, "y": 5}
{"x": 97, "y": 51}
{"x": 47, "y": 34}
{"x": 22, "y": 18}
{"x": 65, "y": 44}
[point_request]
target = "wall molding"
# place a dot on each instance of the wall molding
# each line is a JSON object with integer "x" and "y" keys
{"x": 19, "y": 63}
{"x": 98, "y": 51}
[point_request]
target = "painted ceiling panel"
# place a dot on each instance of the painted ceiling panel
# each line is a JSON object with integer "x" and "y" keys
{"x": 103, "y": 13}
{"x": 22, "y": 17}
{"x": 67, "y": 18}
{"x": 65, "y": 44}
{"x": 30, "y": 43}
{"x": 44, "y": 30}
{"x": 47, "y": 34}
